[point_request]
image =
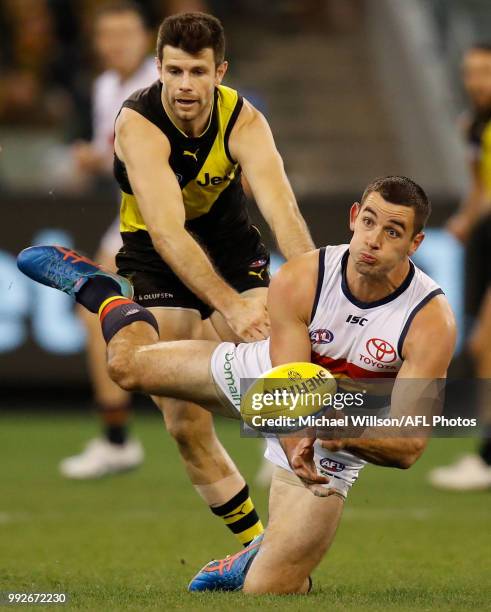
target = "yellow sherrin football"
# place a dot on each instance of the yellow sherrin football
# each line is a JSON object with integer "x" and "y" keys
{"x": 282, "y": 399}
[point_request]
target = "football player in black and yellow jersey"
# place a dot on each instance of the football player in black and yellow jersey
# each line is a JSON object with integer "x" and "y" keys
{"x": 190, "y": 250}
{"x": 471, "y": 224}
{"x": 476, "y": 73}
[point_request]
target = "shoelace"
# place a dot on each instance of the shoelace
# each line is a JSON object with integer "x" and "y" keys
{"x": 227, "y": 563}
{"x": 62, "y": 276}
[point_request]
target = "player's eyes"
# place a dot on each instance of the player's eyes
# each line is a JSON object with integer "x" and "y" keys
{"x": 198, "y": 71}
{"x": 393, "y": 233}
{"x": 173, "y": 71}
{"x": 367, "y": 221}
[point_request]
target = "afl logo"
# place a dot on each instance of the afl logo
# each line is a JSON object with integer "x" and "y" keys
{"x": 331, "y": 466}
{"x": 321, "y": 336}
{"x": 381, "y": 350}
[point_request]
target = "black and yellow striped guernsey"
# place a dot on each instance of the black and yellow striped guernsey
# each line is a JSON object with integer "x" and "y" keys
{"x": 479, "y": 137}
{"x": 209, "y": 178}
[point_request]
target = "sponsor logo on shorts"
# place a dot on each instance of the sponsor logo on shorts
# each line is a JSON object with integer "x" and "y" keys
{"x": 155, "y": 296}
{"x": 258, "y": 263}
{"x": 321, "y": 336}
{"x": 229, "y": 377}
{"x": 331, "y": 466}
{"x": 130, "y": 312}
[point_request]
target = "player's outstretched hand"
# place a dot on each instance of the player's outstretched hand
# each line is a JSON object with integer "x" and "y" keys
{"x": 248, "y": 318}
{"x": 300, "y": 455}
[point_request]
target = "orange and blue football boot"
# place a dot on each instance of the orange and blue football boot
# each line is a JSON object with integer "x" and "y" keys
{"x": 64, "y": 269}
{"x": 226, "y": 574}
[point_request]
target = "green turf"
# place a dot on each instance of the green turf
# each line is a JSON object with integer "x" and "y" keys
{"x": 132, "y": 542}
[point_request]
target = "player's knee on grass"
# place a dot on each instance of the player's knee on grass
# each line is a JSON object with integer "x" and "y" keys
{"x": 287, "y": 579}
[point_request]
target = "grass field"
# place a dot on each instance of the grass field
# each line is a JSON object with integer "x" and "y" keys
{"x": 132, "y": 542}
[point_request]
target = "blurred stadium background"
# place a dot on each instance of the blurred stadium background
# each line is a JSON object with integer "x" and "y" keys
{"x": 353, "y": 89}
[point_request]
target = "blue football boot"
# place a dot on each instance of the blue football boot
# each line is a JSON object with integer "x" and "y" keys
{"x": 64, "y": 269}
{"x": 226, "y": 574}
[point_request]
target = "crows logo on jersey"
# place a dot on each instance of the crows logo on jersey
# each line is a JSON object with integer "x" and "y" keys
{"x": 321, "y": 336}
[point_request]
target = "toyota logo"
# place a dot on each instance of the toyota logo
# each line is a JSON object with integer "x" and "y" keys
{"x": 381, "y": 350}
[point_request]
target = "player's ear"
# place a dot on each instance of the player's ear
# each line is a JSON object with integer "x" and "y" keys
{"x": 415, "y": 244}
{"x": 353, "y": 214}
{"x": 220, "y": 72}
{"x": 158, "y": 63}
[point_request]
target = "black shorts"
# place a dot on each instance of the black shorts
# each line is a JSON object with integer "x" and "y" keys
{"x": 165, "y": 290}
{"x": 477, "y": 266}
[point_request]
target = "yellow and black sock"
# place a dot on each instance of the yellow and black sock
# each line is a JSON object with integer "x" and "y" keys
{"x": 240, "y": 516}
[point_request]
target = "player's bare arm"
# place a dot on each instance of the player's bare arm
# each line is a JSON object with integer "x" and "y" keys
{"x": 251, "y": 143}
{"x": 290, "y": 299}
{"x": 472, "y": 207}
{"x": 427, "y": 351}
{"x": 145, "y": 152}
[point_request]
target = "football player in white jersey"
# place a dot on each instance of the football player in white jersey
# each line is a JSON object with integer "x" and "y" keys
{"x": 363, "y": 309}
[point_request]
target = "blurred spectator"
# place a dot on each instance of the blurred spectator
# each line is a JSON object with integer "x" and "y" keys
{"x": 477, "y": 130}
{"x": 37, "y": 67}
{"x": 472, "y": 225}
{"x": 122, "y": 42}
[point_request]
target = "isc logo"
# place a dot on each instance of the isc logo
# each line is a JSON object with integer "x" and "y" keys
{"x": 356, "y": 320}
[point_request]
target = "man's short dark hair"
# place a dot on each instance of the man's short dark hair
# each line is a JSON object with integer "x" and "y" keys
{"x": 121, "y": 6}
{"x": 402, "y": 190}
{"x": 192, "y": 32}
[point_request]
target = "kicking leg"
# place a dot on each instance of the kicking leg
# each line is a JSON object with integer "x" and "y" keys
{"x": 138, "y": 362}
{"x": 128, "y": 329}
